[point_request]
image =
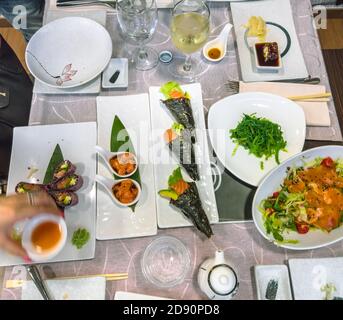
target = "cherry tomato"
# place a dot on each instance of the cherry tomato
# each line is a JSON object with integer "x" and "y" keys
{"x": 302, "y": 228}
{"x": 276, "y": 194}
{"x": 327, "y": 162}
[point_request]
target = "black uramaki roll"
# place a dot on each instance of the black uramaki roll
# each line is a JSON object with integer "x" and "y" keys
{"x": 190, "y": 205}
{"x": 64, "y": 199}
{"x": 65, "y": 168}
{"x": 71, "y": 182}
{"x": 182, "y": 147}
{"x": 23, "y": 187}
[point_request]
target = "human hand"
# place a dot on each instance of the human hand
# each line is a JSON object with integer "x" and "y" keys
{"x": 18, "y": 207}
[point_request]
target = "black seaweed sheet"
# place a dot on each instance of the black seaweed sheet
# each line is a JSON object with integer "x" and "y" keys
{"x": 182, "y": 147}
{"x": 181, "y": 110}
{"x": 190, "y": 205}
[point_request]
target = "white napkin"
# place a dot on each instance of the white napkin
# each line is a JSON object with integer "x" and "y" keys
{"x": 316, "y": 113}
{"x": 92, "y": 288}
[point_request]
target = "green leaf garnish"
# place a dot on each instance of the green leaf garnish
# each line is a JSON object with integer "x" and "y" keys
{"x": 56, "y": 159}
{"x": 80, "y": 238}
{"x": 120, "y": 141}
{"x": 175, "y": 177}
{"x": 259, "y": 136}
{"x": 168, "y": 88}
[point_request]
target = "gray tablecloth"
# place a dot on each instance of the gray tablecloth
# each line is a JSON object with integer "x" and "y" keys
{"x": 243, "y": 245}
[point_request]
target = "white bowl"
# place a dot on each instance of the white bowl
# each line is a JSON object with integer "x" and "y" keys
{"x": 68, "y": 52}
{"x": 31, "y": 225}
{"x": 314, "y": 238}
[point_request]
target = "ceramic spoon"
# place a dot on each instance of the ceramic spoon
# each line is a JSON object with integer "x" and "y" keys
{"x": 107, "y": 156}
{"x": 220, "y": 43}
{"x": 109, "y": 183}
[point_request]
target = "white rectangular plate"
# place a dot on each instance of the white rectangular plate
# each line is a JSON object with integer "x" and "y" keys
{"x": 279, "y": 273}
{"x": 33, "y": 147}
{"x": 122, "y": 295}
{"x": 93, "y": 288}
{"x": 165, "y": 162}
{"x": 114, "y": 222}
{"x": 310, "y": 275}
{"x": 276, "y": 11}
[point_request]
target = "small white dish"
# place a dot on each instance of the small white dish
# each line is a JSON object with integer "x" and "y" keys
{"x": 120, "y": 65}
{"x": 219, "y": 43}
{"x": 29, "y": 228}
{"x": 278, "y": 273}
{"x": 262, "y": 68}
{"x": 109, "y": 183}
{"x": 107, "y": 156}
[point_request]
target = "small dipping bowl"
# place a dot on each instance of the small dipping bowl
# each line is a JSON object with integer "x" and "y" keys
{"x": 37, "y": 224}
{"x": 166, "y": 262}
{"x": 107, "y": 156}
{"x": 108, "y": 184}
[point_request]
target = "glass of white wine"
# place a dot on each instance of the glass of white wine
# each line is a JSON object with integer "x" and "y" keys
{"x": 190, "y": 27}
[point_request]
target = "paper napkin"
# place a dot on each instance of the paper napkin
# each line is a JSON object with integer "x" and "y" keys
{"x": 316, "y": 113}
{"x": 92, "y": 288}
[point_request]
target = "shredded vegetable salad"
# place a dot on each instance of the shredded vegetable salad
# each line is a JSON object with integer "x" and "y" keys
{"x": 311, "y": 197}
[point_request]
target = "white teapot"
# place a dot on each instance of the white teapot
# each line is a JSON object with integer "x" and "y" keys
{"x": 217, "y": 279}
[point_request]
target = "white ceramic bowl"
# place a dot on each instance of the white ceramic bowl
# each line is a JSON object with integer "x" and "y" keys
{"x": 31, "y": 225}
{"x": 68, "y": 52}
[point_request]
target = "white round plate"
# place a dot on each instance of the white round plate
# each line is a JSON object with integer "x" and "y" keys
{"x": 225, "y": 115}
{"x": 314, "y": 238}
{"x": 68, "y": 52}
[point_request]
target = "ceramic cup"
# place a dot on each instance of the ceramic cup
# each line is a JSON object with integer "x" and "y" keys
{"x": 31, "y": 226}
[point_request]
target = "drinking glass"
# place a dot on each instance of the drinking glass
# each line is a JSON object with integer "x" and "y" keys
{"x": 190, "y": 27}
{"x": 138, "y": 21}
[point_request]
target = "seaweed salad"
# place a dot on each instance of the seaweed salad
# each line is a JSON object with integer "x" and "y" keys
{"x": 180, "y": 143}
{"x": 185, "y": 197}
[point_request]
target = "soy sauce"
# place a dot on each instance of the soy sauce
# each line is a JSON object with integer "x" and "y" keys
{"x": 268, "y": 54}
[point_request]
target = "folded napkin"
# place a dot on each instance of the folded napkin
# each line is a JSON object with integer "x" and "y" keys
{"x": 91, "y": 288}
{"x": 316, "y": 113}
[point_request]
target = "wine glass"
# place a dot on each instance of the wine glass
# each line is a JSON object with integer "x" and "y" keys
{"x": 138, "y": 21}
{"x": 190, "y": 27}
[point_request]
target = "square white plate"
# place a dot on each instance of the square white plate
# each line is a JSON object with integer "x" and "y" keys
{"x": 279, "y": 273}
{"x": 114, "y": 222}
{"x": 165, "y": 162}
{"x": 116, "y": 64}
{"x": 93, "y": 288}
{"x": 276, "y": 11}
{"x": 310, "y": 275}
{"x": 33, "y": 147}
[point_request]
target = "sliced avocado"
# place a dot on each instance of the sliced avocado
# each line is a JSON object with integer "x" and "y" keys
{"x": 170, "y": 194}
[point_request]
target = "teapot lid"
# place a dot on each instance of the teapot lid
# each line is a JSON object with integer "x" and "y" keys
{"x": 222, "y": 279}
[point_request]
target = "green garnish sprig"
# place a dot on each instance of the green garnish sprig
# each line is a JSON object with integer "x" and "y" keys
{"x": 259, "y": 136}
{"x": 80, "y": 238}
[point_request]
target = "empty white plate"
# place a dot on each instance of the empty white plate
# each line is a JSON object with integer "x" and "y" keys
{"x": 68, "y": 52}
{"x": 225, "y": 115}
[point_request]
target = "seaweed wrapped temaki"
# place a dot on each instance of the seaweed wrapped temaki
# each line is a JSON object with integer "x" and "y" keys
{"x": 65, "y": 198}
{"x": 65, "y": 168}
{"x": 71, "y": 182}
{"x": 185, "y": 196}
{"x": 24, "y": 187}
{"x": 179, "y": 105}
{"x": 180, "y": 143}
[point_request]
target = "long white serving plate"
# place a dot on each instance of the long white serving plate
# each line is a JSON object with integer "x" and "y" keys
{"x": 275, "y": 11}
{"x": 33, "y": 147}
{"x": 165, "y": 162}
{"x": 114, "y": 222}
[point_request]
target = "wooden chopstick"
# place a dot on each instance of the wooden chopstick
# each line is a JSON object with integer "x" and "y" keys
{"x": 310, "y": 96}
{"x": 10, "y": 284}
